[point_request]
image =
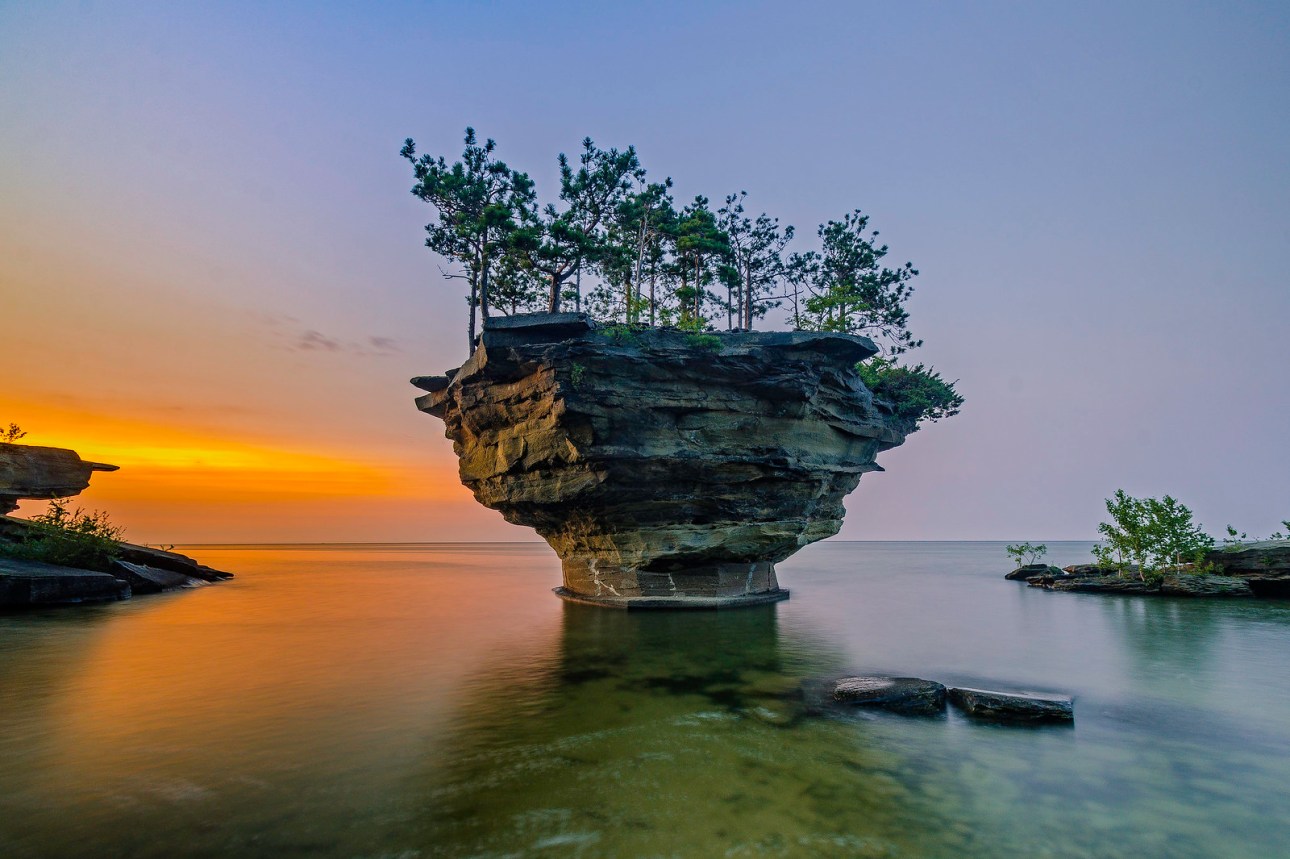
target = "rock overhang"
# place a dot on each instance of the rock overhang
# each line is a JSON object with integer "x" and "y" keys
{"x": 635, "y": 451}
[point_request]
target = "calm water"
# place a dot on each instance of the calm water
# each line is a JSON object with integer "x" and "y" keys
{"x": 405, "y": 701}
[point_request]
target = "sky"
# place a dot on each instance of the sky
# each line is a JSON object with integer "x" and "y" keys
{"x": 212, "y": 272}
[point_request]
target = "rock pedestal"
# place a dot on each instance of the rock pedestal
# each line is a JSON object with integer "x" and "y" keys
{"x": 666, "y": 469}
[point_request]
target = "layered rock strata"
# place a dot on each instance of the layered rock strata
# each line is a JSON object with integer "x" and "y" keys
{"x": 32, "y": 471}
{"x": 665, "y": 468}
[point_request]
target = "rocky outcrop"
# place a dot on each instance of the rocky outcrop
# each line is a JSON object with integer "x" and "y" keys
{"x": 31, "y": 471}
{"x": 1171, "y": 585}
{"x": 29, "y": 584}
{"x": 135, "y": 570}
{"x": 1265, "y": 565}
{"x": 28, "y": 471}
{"x": 1027, "y": 571}
{"x": 1012, "y": 706}
{"x": 664, "y": 468}
{"x": 897, "y": 694}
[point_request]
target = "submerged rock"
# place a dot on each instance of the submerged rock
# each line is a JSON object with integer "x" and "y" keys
{"x": 1012, "y": 706}
{"x": 665, "y": 468}
{"x": 898, "y": 694}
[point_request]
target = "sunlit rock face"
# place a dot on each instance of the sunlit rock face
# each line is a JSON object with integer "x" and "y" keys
{"x": 32, "y": 471}
{"x": 665, "y": 468}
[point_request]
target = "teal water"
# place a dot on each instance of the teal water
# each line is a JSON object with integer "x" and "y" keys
{"x": 418, "y": 700}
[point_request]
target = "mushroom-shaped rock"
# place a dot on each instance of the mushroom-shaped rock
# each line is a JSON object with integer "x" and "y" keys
{"x": 666, "y": 468}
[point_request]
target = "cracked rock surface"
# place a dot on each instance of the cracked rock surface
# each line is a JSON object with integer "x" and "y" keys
{"x": 659, "y": 464}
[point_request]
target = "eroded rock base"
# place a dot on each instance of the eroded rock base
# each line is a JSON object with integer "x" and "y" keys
{"x": 720, "y": 584}
{"x": 673, "y": 602}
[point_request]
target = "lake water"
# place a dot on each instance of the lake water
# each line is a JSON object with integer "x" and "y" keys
{"x": 438, "y": 700}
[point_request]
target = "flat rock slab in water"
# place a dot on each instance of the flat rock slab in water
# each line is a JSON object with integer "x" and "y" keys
{"x": 898, "y": 694}
{"x": 1012, "y": 706}
{"x": 144, "y": 579}
{"x": 31, "y": 583}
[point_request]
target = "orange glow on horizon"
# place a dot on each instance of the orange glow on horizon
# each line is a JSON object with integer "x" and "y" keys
{"x": 169, "y": 471}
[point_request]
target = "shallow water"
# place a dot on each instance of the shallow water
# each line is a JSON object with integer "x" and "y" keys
{"x": 417, "y": 700}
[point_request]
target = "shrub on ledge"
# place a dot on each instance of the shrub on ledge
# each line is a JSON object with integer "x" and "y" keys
{"x": 916, "y": 393}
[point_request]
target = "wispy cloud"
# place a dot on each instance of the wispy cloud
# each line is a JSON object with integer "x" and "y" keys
{"x": 312, "y": 340}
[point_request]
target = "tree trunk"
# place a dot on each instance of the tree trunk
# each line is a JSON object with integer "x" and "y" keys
{"x": 651, "y": 297}
{"x": 474, "y": 299}
{"x": 748, "y": 302}
{"x": 577, "y": 287}
{"x": 553, "y": 306}
{"x": 640, "y": 263}
{"x": 698, "y": 291}
{"x": 483, "y": 284}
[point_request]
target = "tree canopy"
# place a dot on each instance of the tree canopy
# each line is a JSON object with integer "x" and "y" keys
{"x": 614, "y": 243}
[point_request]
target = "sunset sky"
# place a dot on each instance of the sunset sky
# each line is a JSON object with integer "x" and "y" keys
{"x": 212, "y": 272}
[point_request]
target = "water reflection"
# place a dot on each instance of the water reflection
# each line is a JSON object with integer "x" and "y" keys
{"x": 438, "y": 701}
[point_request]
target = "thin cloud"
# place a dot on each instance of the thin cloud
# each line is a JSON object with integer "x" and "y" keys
{"x": 311, "y": 341}
{"x": 371, "y": 346}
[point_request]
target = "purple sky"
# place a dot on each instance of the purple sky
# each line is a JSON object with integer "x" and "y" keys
{"x": 1097, "y": 196}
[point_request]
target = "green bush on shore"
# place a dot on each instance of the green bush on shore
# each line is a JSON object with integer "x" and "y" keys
{"x": 69, "y": 538}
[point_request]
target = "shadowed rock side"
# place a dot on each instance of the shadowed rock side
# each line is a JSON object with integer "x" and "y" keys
{"x": 31, "y": 471}
{"x": 664, "y": 468}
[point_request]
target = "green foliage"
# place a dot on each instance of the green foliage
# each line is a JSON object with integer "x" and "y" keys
{"x": 476, "y": 199}
{"x": 69, "y": 538}
{"x": 1025, "y": 554}
{"x": 616, "y": 246}
{"x": 916, "y": 393}
{"x": 12, "y": 434}
{"x": 623, "y": 335}
{"x": 576, "y": 372}
{"x": 755, "y": 262}
{"x": 851, "y": 290}
{"x": 1153, "y": 534}
{"x": 1234, "y": 541}
{"x": 706, "y": 342}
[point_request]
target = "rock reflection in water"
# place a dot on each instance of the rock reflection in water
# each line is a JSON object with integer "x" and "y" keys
{"x": 652, "y": 733}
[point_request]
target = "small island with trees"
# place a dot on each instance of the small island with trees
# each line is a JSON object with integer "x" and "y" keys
{"x": 619, "y": 396}
{"x": 615, "y": 245}
{"x": 1154, "y": 547}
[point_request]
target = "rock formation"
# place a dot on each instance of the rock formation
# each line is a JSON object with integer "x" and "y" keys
{"x": 665, "y": 468}
{"x": 30, "y": 471}
{"x": 1264, "y": 564}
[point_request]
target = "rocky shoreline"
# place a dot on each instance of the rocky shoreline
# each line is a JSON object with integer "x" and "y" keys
{"x": 1259, "y": 569}
{"x": 32, "y": 471}
{"x": 135, "y": 570}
